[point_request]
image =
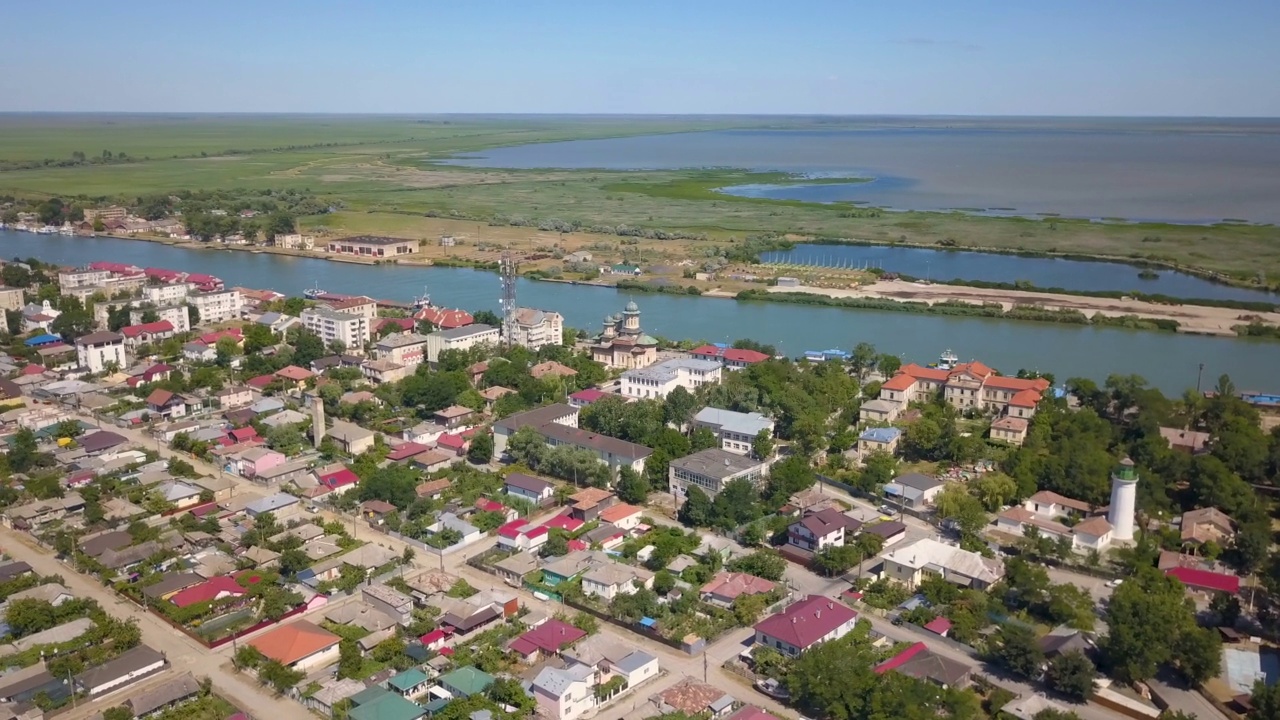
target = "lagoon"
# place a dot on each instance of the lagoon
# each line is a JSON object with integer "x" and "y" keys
{"x": 1169, "y": 361}
{"x": 1043, "y": 272}
{"x": 1192, "y": 171}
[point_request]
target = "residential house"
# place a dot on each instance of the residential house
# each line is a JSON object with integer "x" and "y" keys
{"x": 534, "y": 489}
{"x": 281, "y": 505}
{"x": 199, "y": 352}
{"x": 804, "y": 624}
{"x": 1204, "y": 525}
{"x": 557, "y": 424}
{"x": 587, "y": 504}
{"x": 255, "y": 461}
{"x": 919, "y": 662}
{"x": 519, "y": 535}
{"x": 126, "y": 669}
{"x": 101, "y": 350}
{"x": 736, "y": 431}
{"x": 1205, "y": 581}
{"x": 712, "y": 469}
{"x": 968, "y": 385}
{"x": 564, "y": 693}
{"x": 1012, "y": 430}
{"x": 136, "y": 335}
{"x": 179, "y": 494}
{"x": 884, "y": 439}
{"x": 405, "y": 349}
{"x": 409, "y": 683}
{"x": 570, "y": 566}
{"x": 726, "y": 587}
{"x": 657, "y": 381}
{"x": 1193, "y": 442}
{"x": 622, "y": 516}
{"x": 914, "y": 490}
{"x": 444, "y": 318}
{"x": 545, "y": 641}
{"x": 350, "y": 438}
{"x": 695, "y": 699}
{"x": 611, "y": 579}
{"x": 388, "y": 601}
{"x": 551, "y": 369}
{"x": 299, "y": 645}
{"x": 168, "y": 404}
{"x": 822, "y": 529}
{"x": 910, "y": 564}
{"x": 465, "y": 681}
{"x": 53, "y": 593}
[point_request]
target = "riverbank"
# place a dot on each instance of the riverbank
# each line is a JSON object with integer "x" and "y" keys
{"x": 1189, "y": 318}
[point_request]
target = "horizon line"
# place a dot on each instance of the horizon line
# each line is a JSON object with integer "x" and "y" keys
{"x": 934, "y": 116}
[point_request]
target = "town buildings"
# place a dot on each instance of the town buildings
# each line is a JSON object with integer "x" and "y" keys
{"x": 730, "y": 358}
{"x": 558, "y": 425}
{"x": 822, "y": 529}
{"x": 405, "y": 349}
{"x": 805, "y": 624}
{"x": 534, "y": 328}
{"x": 217, "y": 306}
{"x": 10, "y": 298}
{"x": 970, "y": 385}
{"x": 100, "y": 350}
{"x": 372, "y": 246}
{"x": 337, "y": 327}
{"x": 622, "y": 344}
{"x": 657, "y": 381}
{"x": 736, "y": 431}
{"x": 461, "y": 338}
{"x": 910, "y": 564}
{"x": 300, "y": 645}
{"x": 712, "y": 469}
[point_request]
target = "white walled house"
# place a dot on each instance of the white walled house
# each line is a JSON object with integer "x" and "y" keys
{"x": 332, "y": 326}
{"x": 218, "y": 306}
{"x": 99, "y": 349}
{"x": 735, "y": 430}
{"x": 805, "y": 624}
{"x": 657, "y": 381}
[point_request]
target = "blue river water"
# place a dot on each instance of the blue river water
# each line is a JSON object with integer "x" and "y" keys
{"x": 1167, "y": 360}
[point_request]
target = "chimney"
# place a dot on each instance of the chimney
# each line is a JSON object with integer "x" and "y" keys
{"x": 317, "y": 420}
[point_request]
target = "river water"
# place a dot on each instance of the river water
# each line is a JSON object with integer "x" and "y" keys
{"x": 1089, "y": 275}
{"x": 1169, "y": 361}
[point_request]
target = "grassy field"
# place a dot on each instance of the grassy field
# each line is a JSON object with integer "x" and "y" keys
{"x": 383, "y": 171}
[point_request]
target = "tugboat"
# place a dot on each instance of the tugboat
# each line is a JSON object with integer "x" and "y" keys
{"x": 423, "y": 300}
{"x": 313, "y": 293}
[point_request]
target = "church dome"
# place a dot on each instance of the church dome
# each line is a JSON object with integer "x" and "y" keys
{"x": 632, "y": 307}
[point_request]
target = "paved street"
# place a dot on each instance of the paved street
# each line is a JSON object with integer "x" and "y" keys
{"x": 183, "y": 653}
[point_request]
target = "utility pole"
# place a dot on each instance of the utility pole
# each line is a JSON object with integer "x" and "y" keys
{"x": 1199, "y": 376}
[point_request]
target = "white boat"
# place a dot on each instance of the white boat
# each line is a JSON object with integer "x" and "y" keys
{"x": 313, "y": 293}
{"x": 947, "y": 361}
{"x": 423, "y": 300}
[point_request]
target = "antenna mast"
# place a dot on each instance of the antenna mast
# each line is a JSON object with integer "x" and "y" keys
{"x": 507, "y": 267}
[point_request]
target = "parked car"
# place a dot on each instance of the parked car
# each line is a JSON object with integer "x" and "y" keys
{"x": 1115, "y": 583}
{"x": 886, "y": 510}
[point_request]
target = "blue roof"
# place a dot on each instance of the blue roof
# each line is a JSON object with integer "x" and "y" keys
{"x": 881, "y": 434}
{"x": 648, "y": 622}
{"x": 45, "y": 339}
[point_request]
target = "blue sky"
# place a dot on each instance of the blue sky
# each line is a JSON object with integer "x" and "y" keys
{"x": 975, "y": 57}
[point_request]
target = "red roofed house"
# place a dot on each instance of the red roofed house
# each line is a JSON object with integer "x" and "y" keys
{"x": 215, "y": 588}
{"x": 296, "y": 375}
{"x": 967, "y": 385}
{"x": 444, "y": 318}
{"x": 520, "y": 535}
{"x": 402, "y": 453}
{"x": 622, "y": 516}
{"x": 726, "y": 587}
{"x": 812, "y": 620}
{"x": 731, "y": 358}
{"x": 155, "y": 373}
{"x": 336, "y": 479}
{"x": 1205, "y": 580}
{"x": 919, "y": 662}
{"x": 451, "y": 443}
{"x": 261, "y": 381}
{"x": 939, "y": 626}
{"x": 245, "y": 434}
{"x": 434, "y": 640}
{"x": 583, "y": 398}
{"x": 166, "y": 404}
{"x": 135, "y": 335}
{"x": 546, "y": 640}
{"x": 565, "y": 522}
{"x": 212, "y": 338}
{"x": 487, "y": 505}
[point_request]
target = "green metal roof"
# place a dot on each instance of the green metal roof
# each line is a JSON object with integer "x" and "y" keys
{"x": 467, "y": 681}
{"x": 388, "y": 706}
{"x": 408, "y": 679}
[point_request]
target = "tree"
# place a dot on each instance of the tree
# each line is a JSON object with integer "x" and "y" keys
{"x": 350, "y": 659}
{"x": 678, "y": 406}
{"x": 696, "y": 510}
{"x": 664, "y": 582}
{"x": 119, "y": 712}
{"x": 955, "y": 503}
{"x": 27, "y": 616}
{"x": 307, "y": 348}
{"x": 632, "y": 486}
{"x": 586, "y": 622}
{"x": 1265, "y": 700}
{"x": 836, "y": 559}
{"x": 1198, "y": 652}
{"x": 748, "y": 608}
{"x": 862, "y": 358}
{"x": 24, "y": 452}
{"x": 1015, "y": 648}
{"x": 994, "y": 490}
{"x": 835, "y": 679}
{"x": 481, "y": 450}
{"x": 248, "y": 656}
{"x": 762, "y": 444}
{"x": 1146, "y": 616}
{"x": 557, "y": 545}
{"x": 767, "y": 564}
{"x": 888, "y": 365}
{"x": 509, "y": 691}
{"x": 278, "y": 676}
{"x": 1072, "y": 674}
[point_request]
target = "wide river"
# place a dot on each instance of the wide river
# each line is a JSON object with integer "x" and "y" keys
{"x": 1169, "y": 361}
{"x": 1180, "y": 171}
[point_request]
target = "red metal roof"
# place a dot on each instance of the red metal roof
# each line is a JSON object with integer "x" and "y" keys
{"x": 338, "y": 478}
{"x": 939, "y": 625}
{"x": 1205, "y": 580}
{"x": 807, "y": 621}
{"x": 548, "y": 637}
{"x": 901, "y": 658}
{"x": 406, "y": 450}
{"x": 455, "y": 442}
{"x": 149, "y": 328}
{"x": 207, "y": 590}
{"x": 444, "y": 318}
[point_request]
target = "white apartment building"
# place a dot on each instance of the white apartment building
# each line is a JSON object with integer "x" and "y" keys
{"x": 177, "y": 315}
{"x": 11, "y": 298}
{"x": 656, "y": 381}
{"x": 463, "y": 338}
{"x": 99, "y": 349}
{"x": 365, "y": 307}
{"x": 68, "y": 279}
{"x": 534, "y": 328}
{"x": 333, "y": 326}
{"x": 735, "y": 430}
{"x": 408, "y": 349}
{"x": 295, "y": 241}
{"x": 169, "y": 294}
{"x": 218, "y": 306}
{"x": 711, "y": 470}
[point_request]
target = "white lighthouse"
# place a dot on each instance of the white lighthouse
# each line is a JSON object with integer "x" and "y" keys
{"x": 1124, "y": 500}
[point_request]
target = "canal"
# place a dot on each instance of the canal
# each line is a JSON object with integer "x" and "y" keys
{"x": 1167, "y": 360}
